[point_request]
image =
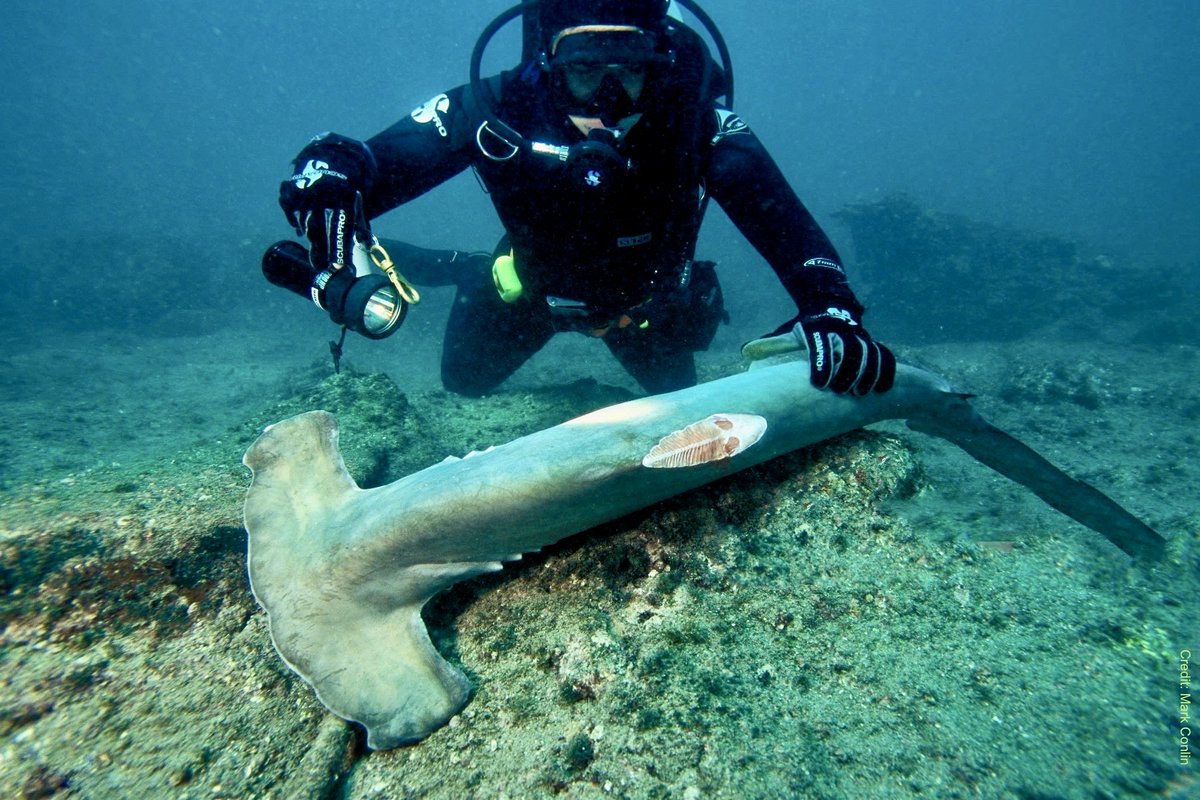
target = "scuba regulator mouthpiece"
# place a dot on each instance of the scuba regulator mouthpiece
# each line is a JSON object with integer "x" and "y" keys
{"x": 596, "y": 163}
{"x": 367, "y": 302}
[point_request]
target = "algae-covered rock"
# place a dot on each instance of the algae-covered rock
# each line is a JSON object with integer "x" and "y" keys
{"x": 134, "y": 660}
{"x": 934, "y": 277}
{"x": 656, "y": 653}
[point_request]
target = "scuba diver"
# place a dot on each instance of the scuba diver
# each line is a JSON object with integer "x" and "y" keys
{"x": 600, "y": 153}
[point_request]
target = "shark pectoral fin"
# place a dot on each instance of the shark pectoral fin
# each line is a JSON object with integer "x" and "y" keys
{"x": 771, "y": 350}
{"x": 989, "y": 445}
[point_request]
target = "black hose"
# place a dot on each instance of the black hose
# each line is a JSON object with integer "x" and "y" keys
{"x": 719, "y": 41}
{"x": 482, "y": 96}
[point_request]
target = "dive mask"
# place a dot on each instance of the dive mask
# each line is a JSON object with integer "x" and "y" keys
{"x": 600, "y": 70}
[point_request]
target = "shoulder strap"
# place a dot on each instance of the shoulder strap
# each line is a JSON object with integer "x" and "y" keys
{"x": 476, "y": 111}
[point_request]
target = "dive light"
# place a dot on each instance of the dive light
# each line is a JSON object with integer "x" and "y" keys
{"x": 362, "y": 299}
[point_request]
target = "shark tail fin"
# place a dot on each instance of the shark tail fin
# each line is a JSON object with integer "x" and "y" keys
{"x": 349, "y": 627}
{"x": 989, "y": 445}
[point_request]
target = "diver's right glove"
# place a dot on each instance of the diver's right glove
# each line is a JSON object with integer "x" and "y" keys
{"x": 841, "y": 354}
{"x": 329, "y": 177}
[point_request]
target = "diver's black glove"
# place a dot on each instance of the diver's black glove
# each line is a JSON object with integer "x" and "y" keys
{"x": 842, "y": 355}
{"x": 329, "y": 177}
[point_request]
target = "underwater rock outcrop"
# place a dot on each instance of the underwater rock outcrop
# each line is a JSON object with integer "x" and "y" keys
{"x": 934, "y": 277}
{"x": 783, "y": 632}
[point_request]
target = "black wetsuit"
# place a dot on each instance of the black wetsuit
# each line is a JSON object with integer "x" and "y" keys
{"x": 618, "y": 260}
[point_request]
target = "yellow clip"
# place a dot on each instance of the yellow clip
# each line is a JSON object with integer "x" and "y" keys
{"x": 380, "y": 257}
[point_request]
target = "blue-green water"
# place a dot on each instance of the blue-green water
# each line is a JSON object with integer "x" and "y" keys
{"x": 828, "y": 627}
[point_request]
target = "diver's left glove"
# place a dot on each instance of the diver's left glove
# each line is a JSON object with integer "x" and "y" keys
{"x": 842, "y": 356}
{"x": 323, "y": 198}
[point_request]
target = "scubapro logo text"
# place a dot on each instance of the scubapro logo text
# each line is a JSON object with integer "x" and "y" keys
{"x": 432, "y": 111}
{"x": 819, "y": 349}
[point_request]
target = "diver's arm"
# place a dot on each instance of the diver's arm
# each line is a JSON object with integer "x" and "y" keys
{"x": 426, "y": 267}
{"x": 424, "y": 149}
{"x": 749, "y": 186}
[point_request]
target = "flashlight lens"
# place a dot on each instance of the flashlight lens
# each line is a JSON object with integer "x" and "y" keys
{"x": 383, "y": 311}
{"x": 371, "y": 306}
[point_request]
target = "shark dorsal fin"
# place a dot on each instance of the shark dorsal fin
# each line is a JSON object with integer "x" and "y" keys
{"x": 772, "y": 350}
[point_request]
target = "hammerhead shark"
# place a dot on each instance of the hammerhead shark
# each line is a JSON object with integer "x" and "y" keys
{"x": 343, "y": 572}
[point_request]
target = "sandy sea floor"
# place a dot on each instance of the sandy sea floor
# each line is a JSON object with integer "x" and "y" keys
{"x": 879, "y": 616}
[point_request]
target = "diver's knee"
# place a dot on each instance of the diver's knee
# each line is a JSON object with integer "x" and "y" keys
{"x": 467, "y": 382}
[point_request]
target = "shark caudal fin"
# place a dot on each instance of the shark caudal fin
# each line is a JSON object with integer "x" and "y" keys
{"x": 989, "y": 445}
{"x": 328, "y": 610}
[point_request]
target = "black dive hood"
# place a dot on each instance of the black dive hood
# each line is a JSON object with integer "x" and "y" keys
{"x": 511, "y": 140}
